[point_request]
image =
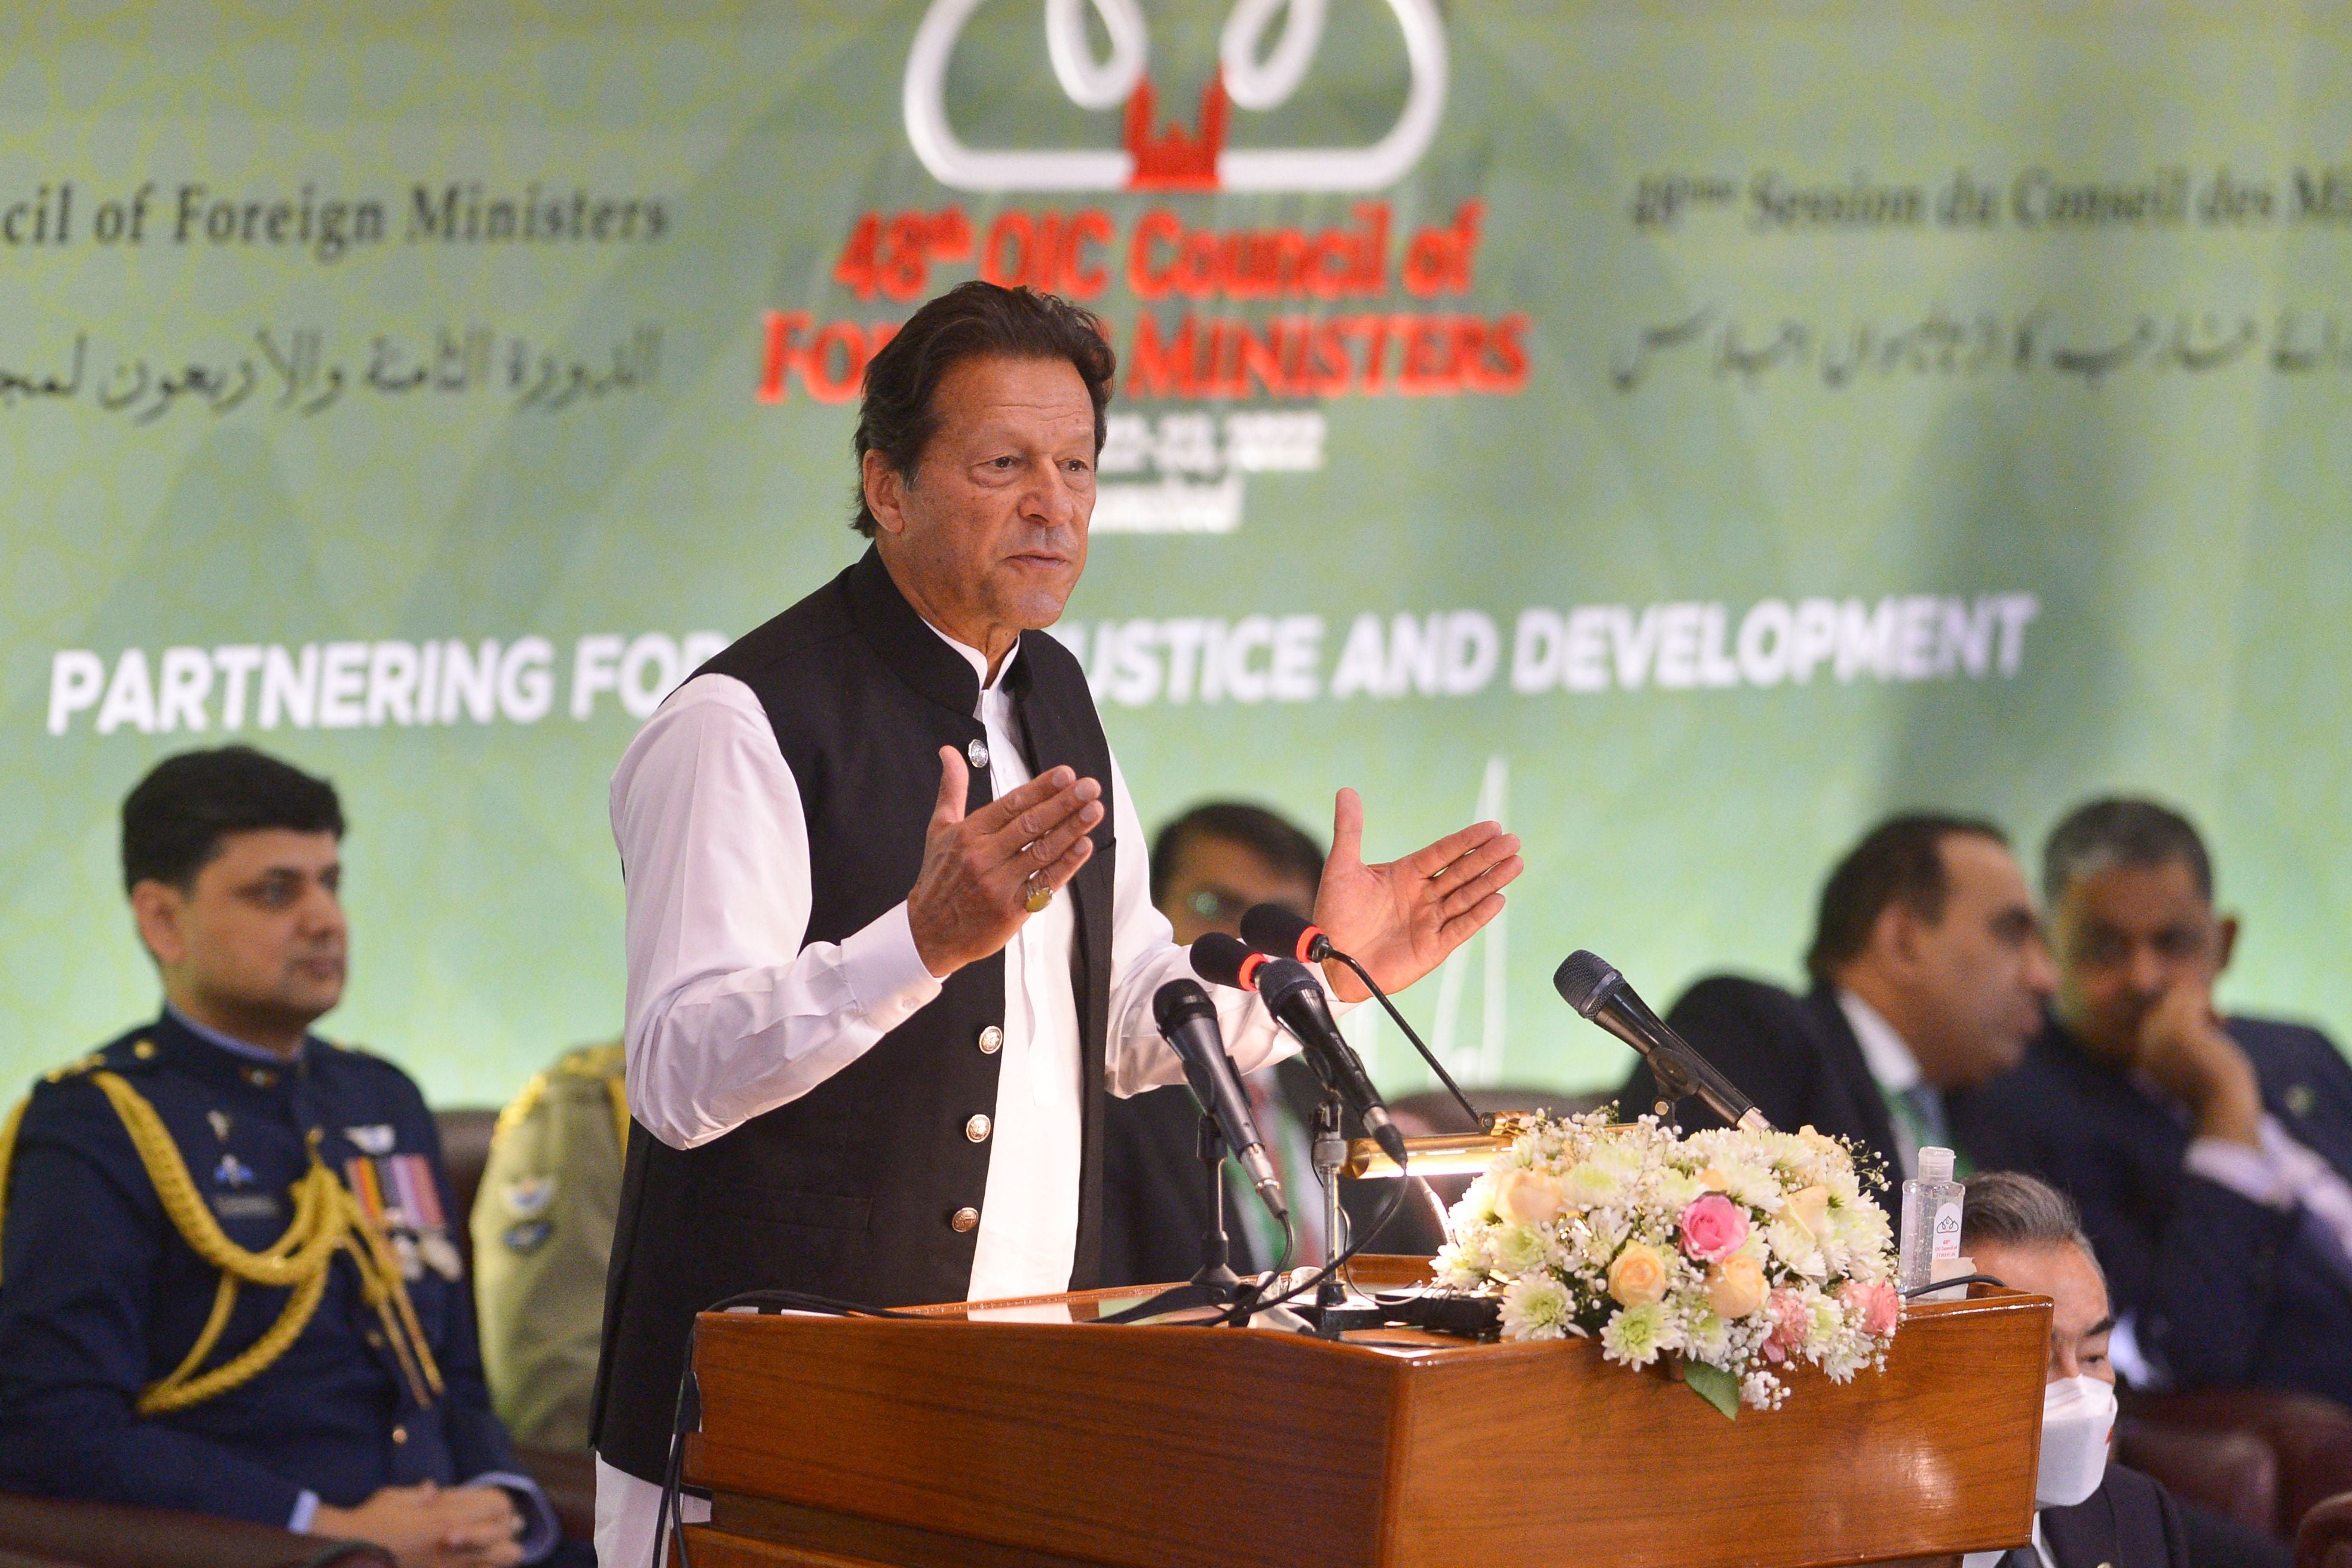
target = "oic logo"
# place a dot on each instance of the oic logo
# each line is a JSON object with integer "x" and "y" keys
{"x": 1248, "y": 79}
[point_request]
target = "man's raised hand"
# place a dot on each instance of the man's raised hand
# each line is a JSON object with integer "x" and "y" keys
{"x": 978, "y": 870}
{"x": 1400, "y": 919}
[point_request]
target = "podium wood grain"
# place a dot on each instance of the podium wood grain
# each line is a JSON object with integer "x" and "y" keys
{"x": 833, "y": 1442}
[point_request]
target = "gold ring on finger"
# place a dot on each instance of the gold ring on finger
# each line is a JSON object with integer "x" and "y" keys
{"x": 1039, "y": 897}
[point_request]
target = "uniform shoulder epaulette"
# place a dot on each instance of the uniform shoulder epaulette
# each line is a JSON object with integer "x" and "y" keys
{"x": 604, "y": 1061}
{"x": 80, "y": 1065}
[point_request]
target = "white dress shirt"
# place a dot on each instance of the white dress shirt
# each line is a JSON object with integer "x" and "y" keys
{"x": 729, "y": 1014}
{"x": 1893, "y": 1068}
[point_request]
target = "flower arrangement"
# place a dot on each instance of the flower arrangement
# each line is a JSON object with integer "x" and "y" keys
{"x": 1733, "y": 1254}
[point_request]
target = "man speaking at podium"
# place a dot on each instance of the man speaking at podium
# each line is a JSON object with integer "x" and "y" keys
{"x": 890, "y": 936}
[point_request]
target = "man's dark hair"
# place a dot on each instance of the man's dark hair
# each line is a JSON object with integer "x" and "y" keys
{"x": 2009, "y": 1209}
{"x": 173, "y": 822}
{"x": 2121, "y": 831}
{"x": 1273, "y": 839}
{"x": 1901, "y": 861}
{"x": 971, "y": 320}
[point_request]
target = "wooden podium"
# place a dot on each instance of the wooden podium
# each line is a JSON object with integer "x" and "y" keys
{"x": 1022, "y": 1434}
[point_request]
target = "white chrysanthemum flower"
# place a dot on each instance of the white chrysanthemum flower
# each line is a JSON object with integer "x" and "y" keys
{"x": 1708, "y": 1338}
{"x": 1514, "y": 1249}
{"x": 1537, "y": 1308}
{"x": 1456, "y": 1268}
{"x": 1590, "y": 1184}
{"x": 1636, "y": 1335}
{"x": 1677, "y": 1189}
{"x": 1793, "y": 1245}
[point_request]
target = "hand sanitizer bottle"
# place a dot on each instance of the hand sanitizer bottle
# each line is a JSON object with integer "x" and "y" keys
{"x": 1931, "y": 1219}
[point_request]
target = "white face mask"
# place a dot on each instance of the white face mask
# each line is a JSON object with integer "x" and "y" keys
{"x": 2077, "y": 1415}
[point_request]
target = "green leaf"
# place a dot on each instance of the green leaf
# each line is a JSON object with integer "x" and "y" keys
{"x": 1715, "y": 1385}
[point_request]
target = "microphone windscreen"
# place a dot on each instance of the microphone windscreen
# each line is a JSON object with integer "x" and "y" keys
{"x": 1584, "y": 981}
{"x": 1279, "y": 933}
{"x": 1278, "y": 978}
{"x": 1223, "y": 960}
{"x": 1179, "y": 998}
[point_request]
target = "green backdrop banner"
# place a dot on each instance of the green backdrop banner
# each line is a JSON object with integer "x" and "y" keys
{"x": 1685, "y": 434}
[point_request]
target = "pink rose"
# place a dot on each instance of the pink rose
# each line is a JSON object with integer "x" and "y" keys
{"x": 1713, "y": 1227}
{"x": 1876, "y": 1306}
{"x": 1790, "y": 1323}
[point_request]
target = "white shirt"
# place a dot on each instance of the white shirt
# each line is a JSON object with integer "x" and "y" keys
{"x": 1892, "y": 1066}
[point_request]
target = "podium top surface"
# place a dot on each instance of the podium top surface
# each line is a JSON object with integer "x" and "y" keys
{"x": 1023, "y": 1433}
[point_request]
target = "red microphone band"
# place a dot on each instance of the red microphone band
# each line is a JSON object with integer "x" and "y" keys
{"x": 1250, "y": 966}
{"x": 1305, "y": 951}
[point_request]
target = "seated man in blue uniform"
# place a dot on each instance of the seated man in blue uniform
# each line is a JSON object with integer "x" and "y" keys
{"x": 2211, "y": 1156}
{"x": 226, "y": 1278}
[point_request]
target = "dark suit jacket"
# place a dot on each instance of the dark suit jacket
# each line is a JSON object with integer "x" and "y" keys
{"x": 1795, "y": 1057}
{"x": 2130, "y": 1523}
{"x": 2227, "y": 1291}
{"x": 1155, "y": 1197}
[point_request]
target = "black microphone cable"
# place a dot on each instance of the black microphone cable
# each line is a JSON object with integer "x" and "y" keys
{"x": 1271, "y": 929}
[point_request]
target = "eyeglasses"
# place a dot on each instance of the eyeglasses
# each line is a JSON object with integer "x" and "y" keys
{"x": 1223, "y": 906}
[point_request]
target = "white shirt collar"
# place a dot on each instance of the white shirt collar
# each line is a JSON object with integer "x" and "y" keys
{"x": 1883, "y": 1051}
{"x": 979, "y": 660}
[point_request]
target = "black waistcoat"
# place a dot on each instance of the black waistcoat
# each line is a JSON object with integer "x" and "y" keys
{"x": 851, "y": 1190}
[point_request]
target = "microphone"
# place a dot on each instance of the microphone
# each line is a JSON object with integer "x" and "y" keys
{"x": 1221, "y": 960}
{"x": 1586, "y": 982}
{"x": 1188, "y": 1021}
{"x": 1295, "y": 997}
{"x": 1282, "y": 934}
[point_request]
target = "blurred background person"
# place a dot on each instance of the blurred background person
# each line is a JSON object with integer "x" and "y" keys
{"x": 2090, "y": 1513}
{"x": 341, "y": 1391}
{"x": 1928, "y": 974}
{"x": 2210, "y": 1156}
{"x": 542, "y": 1226}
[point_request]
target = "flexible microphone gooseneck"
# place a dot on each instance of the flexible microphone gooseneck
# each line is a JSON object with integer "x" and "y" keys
{"x": 1295, "y": 997}
{"x": 1188, "y": 1021}
{"x": 1282, "y": 934}
{"x": 1586, "y": 982}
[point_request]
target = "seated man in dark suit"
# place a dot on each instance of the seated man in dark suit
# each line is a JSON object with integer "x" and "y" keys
{"x": 1928, "y": 977}
{"x": 227, "y": 1282}
{"x": 1208, "y": 866}
{"x": 2211, "y": 1156}
{"x": 2090, "y": 1513}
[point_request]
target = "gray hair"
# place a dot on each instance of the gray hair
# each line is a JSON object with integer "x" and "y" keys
{"x": 2120, "y": 831}
{"x": 2009, "y": 1208}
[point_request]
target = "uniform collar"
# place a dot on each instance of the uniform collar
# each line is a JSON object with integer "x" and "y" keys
{"x": 1889, "y": 1060}
{"x": 211, "y": 1054}
{"x": 231, "y": 1043}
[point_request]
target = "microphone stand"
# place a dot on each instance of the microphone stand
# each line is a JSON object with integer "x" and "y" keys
{"x": 1216, "y": 1275}
{"x": 1214, "y": 1283}
{"x": 1337, "y": 1308}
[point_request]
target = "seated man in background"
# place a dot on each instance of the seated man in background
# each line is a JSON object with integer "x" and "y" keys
{"x": 2090, "y": 1513}
{"x": 543, "y": 1239}
{"x": 226, "y": 1282}
{"x": 2210, "y": 1156}
{"x": 1207, "y": 867}
{"x": 1928, "y": 977}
